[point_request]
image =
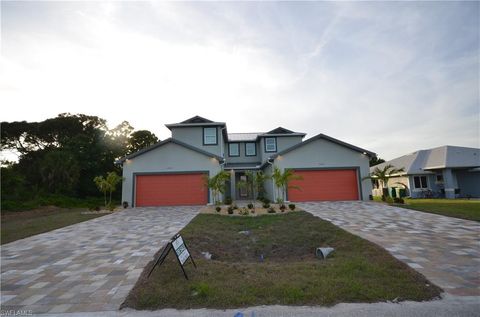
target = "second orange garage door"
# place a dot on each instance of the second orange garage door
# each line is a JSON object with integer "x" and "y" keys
{"x": 170, "y": 190}
{"x": 325, "y": 185}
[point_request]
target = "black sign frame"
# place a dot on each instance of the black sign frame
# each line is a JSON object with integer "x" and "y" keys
{"x": 166, "y": 250}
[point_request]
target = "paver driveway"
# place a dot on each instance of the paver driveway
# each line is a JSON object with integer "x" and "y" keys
{"x": 446, "y": 250}
{"x": 89, "y": 266}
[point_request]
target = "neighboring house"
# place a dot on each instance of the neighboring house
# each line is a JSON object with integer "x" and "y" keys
{"x": 172, "y": 172}
{"x": 446, "y": 171}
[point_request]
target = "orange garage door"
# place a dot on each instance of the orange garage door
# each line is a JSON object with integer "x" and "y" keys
{"x": 170, "y": 190}
{"x": 324, "y": 185}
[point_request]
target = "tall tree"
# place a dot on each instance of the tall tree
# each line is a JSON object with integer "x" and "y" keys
{"x": 140, "y": 140}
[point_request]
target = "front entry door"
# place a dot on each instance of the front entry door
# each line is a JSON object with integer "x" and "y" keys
{"x": 243, "y": 190}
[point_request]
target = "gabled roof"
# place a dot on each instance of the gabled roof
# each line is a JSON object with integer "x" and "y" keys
{"x": 423, "y": 161}
{"x": 328, "y": 138}
{"x": 280, "y": 130}
{"x": 195, "y": 122}
{"x": 164, "y": 142}
{"x": 196, "y": 119}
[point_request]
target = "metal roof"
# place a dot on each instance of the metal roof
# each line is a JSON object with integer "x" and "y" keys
{"x": 238, "y": 137}
{"x": 422, "y": 161}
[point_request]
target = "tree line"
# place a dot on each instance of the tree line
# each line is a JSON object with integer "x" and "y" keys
{"x": 63, "y": 155}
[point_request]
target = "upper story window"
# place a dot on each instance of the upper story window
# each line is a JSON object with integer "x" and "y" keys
{"x": 233, "y": 149}
{"x": 210, "y": 136}
{"x": 270, "y": 144}
{"x": 250, "y": 149}
{"x": 420, "y": 181}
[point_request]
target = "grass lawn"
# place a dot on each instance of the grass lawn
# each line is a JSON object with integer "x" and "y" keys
{"x": 21, "y": 224}
{"x": 458, "y": 208}
{"x": 358, "y": 271}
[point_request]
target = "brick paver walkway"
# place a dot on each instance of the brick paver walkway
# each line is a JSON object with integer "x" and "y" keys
{"x": 89, "y": 266}
{"x": 446, "y": 250}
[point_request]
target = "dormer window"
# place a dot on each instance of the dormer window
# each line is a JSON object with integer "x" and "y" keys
{"x": 270, "y": 144}
{"x": 210, "y": 136}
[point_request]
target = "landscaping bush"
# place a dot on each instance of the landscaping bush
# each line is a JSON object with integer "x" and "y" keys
{"x": 250, "y": 206}
{"x": 389, "y": 200}
{"x": 125, "y": 204}
{"x": 228, "y": 201}
{"x": 265, "y": 200}
{"x": 271, "y": 210}
{"x": 234, "y": 206}
{"x": 111, "y": 206}
{"x": 291, "y": 206}
{"x": 243, "y": 211}
{"x": 230, "y": 210}
{"x": 398, "y": 200}
{"x": 282, "y": 207}
{"x": 266, "y": 205}
{"x": 218, "y": 208}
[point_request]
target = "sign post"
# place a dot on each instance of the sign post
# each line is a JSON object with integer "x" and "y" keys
{"x": 181, "y": 252}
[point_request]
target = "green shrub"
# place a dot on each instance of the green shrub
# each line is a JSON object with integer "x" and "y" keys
{"x": 282, "y": 207}
{"x": 218, "y": 208}
{"x": 271, "y": 210}
{"x": 291, "y": 206}
{"x": 266, "y": 205}
{"x": 389, "y": 200}
{"x": 250, "y": 206}
{"x": 398, "y": 200}
{"x": 228, "y": 201}
{"x": 265, "y": 200}
{"x": 230, "y": 210}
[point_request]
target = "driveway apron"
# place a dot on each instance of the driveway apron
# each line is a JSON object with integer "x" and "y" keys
{"x": 89, "y": 266}
{"x": 446, "y": 250}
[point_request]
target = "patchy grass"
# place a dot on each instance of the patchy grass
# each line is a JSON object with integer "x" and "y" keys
{"x": 358, "y": 271}
{"x": 458, "y": 208}
{"x": 21, "y": 224}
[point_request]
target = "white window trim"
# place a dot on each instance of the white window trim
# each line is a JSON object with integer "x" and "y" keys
{"x": 254, "y": 149}
{"x": 230, "y": 152}
{"x": 420, "y": 180}
{"x": 274, "y": 143}
{"x": 205, "y": 136}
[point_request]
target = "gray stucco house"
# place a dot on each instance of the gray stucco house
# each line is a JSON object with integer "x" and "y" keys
{"x": 446, "y": 171}
{"x": 172, "y": 171}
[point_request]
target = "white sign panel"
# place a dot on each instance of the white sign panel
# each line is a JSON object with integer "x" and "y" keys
{"x": 180, "y": 250}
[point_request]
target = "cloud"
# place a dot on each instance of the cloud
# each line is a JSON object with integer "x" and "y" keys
{"x": 392, "y": 77}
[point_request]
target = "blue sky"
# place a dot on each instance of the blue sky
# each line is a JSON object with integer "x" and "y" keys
{"x": 389, "y": 77}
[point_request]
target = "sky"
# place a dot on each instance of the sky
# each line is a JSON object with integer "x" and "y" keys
{"x": 390, "y": 77}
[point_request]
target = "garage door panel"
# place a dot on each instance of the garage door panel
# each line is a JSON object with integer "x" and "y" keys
{"x": 325, "y": 185}
{"x": 170, "y": 190}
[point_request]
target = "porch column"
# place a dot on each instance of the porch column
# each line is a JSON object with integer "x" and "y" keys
{"x": 232, "y": 185}
{"x": 450, "y": 183}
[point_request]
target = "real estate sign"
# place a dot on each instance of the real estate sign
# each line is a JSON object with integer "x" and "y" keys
{"x": 180, "y": 249}
{"x": 181, "y": 252}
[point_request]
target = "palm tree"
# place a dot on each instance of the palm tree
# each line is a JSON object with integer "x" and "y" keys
{"x": 102, "y": 186}
{"x": 383, "y": 175}
{"x": 282, "y": 181}
{"x": 113, "y": 179}
{"x": 217, "y": 184}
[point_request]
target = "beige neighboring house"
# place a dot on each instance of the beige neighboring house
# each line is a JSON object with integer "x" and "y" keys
{"x": 446, "y": 171}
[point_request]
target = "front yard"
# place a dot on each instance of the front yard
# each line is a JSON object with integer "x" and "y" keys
{"x": 458, "y": 208}
{"x": 268, "y": 260}
{"x": 21, "y": 224}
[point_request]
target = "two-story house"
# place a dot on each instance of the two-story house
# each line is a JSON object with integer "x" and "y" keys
{"x": 172, "y": 172}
